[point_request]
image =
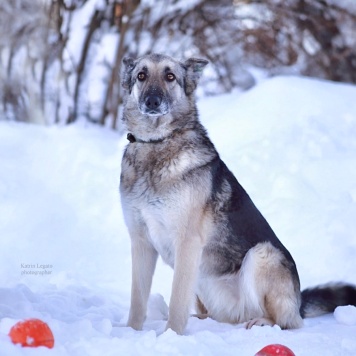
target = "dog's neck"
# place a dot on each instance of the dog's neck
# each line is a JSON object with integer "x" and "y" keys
{"x": 133, "y": 139}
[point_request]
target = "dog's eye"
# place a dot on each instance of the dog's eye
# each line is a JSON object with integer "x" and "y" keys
{"x": 170, "y": 77}
{"x": 141, "y": 76}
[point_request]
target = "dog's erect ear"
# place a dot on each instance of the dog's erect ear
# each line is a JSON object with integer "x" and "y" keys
{"x": 194, "y": 68}
{"x": 129, "y": 65}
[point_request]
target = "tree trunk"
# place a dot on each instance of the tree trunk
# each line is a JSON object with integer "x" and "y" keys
{"x": 113, "y": 94}
{"x": 93, "y": 26}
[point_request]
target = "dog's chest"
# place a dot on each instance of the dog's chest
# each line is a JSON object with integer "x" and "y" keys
{"x": 148, "y": 173}
{"x": 153, "y": 189}
{"x": 161, "y": 230}
{"x": 159, "y": 213}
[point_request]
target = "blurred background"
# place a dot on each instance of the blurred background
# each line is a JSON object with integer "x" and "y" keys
{"x": 60, "y": 59}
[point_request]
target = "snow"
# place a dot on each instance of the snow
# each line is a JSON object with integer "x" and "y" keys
{"x": 291, "y": 142}
{"x": 346, "y": 315}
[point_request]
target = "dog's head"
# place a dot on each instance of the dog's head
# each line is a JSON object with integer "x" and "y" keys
{"x": 158, "y": 84}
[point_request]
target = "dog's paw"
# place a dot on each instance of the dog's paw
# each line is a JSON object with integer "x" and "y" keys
{"x": 259, "y": 322}
{"x": 177, "y": 329}
{"x": 135, "y": 323}
{"x": 200, "y": 316}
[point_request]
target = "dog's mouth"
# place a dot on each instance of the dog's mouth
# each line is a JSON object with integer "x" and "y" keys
{"x": 154, "y": 112}
{"x": 160, "y": 110}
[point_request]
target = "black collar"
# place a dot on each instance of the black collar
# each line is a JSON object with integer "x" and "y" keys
{"x": 133, "y": 139}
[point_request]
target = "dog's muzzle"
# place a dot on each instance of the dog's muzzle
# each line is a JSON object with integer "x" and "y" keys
{"x": 154, "y": 103}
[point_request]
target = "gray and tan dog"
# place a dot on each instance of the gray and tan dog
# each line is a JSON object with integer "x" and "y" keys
{"x": 180, "y": 201}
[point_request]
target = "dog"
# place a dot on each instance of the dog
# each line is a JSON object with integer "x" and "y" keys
{"x": 180, "y": 201}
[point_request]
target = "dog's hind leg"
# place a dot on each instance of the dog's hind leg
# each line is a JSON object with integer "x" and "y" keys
{"x": 202, "y": 312}
{"x": 277, "y": 288}
{"x": 144, "y": 258}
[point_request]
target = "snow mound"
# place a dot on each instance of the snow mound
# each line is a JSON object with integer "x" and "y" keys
{"x": 345, "y": 315}
{"x": 157, "y": 309}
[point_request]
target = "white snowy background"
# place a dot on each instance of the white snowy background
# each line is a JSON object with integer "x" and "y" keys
{"x": 290, "y": 141}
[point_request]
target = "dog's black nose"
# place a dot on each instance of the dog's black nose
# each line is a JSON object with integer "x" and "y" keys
{"x": 152, "y": 102}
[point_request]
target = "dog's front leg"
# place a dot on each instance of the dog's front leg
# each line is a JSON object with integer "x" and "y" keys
{"x": 186, "y": 265}
{"x": 144, "y": 258}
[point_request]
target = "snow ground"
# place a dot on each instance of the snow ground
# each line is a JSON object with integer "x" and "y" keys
{"x": 292, "y": 144}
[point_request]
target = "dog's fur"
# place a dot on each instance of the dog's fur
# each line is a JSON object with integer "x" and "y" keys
{"x": 180, "y": 201}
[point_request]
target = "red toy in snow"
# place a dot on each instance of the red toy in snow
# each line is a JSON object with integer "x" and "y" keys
{"x": 32, "y": 333}
{"x": 275, "y": 349}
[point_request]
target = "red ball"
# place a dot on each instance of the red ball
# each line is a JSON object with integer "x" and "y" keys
{"x": 275, "y": 349}
{"x": 32, "y": 333}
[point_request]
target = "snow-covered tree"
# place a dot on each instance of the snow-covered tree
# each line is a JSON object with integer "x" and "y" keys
{"x": 60, "y": 59}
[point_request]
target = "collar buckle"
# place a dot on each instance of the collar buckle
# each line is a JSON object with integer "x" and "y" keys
{"x": 131, "y": 137}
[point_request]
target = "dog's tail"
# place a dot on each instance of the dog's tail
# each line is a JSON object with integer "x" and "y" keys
{"x": 325, "y": 298}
